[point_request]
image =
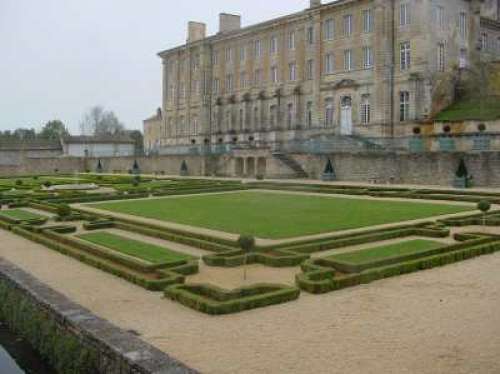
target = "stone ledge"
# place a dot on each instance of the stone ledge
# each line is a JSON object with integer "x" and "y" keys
{"x": 122, "y": 352}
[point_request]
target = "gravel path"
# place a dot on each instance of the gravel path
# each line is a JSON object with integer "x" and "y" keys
{"x": 444, "y": 320}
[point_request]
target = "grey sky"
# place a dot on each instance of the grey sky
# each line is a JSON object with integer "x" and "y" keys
{"x": 60, "y": 57}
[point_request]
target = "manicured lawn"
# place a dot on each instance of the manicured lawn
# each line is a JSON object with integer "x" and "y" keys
{"x": 20, "y": 214}
{"x": 145, "y": 251}
{"x": 276, "y": 216}
{"x": 379, "y": 253}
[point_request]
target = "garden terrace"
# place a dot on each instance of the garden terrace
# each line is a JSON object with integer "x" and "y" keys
{"x": 322, "y": 275}
{"x": 270, "y": 215}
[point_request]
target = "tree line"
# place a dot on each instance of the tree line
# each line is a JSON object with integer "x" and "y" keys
{"x": 96, "y": 122}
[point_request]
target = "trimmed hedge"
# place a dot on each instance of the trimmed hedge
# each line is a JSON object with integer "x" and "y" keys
{"x": 156, "y": 281}
{"x": 317, "y": 279}
{"x": 276, "y": 258}
{"x": 99, "y": 224}
{"x": 216, "y": 301}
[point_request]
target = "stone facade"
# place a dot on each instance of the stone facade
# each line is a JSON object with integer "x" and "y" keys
{"x": 369, "y": 68}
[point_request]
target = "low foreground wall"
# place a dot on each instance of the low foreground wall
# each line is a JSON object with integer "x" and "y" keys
{"x": 71, "y": 338}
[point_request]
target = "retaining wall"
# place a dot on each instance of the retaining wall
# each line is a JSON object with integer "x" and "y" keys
{"x": 432, "y": 168}
{"x": 71, "y": 337}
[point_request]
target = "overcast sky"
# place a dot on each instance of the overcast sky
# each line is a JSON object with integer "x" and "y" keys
{"x": 60, "y": 57}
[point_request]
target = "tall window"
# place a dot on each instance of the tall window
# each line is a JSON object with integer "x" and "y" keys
{"x": 462, "y": 59}
{"x": 291, "y": 40}
{"x": 289, "y": 116}
{"x": 258, "y": 77}
{"x": 441, "y": 63}
{"x": 242, "y": 119}
{"x": 274, "y": 74}
{"x": 404, "y": 14}
{"x": 243, "y": 80}
{"x": 329, "y": 112}
{"x": 229, "y": 54}
{"x": 229, "y": 83}
{"x": 309, "y": 114}
{"x": 347, "y": 25}
{"x": 438, "y": 15}
{"x": 367, "y": 20}
{"x": 243, "y": 53}
{"x": 405, "y": 55}
{"x": 367, "y": 57}
{"x": 292, "y": 71}
{"x": 329, "y": 63}
{"x": 329, "y": 31}
{"x": 215, "y": 58}
{"x": 272, "y": 115}
{"x": 258, "y": 48}
{"x": 310, "y": 35}
{"x": 348, "y": 63}
{"x": 484, "y": 41}
{"x": 273, "y": 46}
{"x": 256, "y": 117}
{"x": 365, "y": 109}
{"x": 216, "y": 86}
{"x": 404, "y": 106}
{"x": 310, "y": 69}
{"x": 462, "y": 24}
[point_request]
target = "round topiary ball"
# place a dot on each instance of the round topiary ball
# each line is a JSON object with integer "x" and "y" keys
{"x": 484, "y": 206}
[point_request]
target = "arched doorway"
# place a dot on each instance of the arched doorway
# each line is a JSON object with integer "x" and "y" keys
{"x": 346, "y": 116}
{"x": 239, "y": 167}
{"x": 261, "y": 166}
{"x": 250, "y": 170}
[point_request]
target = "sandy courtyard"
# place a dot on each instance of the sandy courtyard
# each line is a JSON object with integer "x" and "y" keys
{"x": 445, "y": 320}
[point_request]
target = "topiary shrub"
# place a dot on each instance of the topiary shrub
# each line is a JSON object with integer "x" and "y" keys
{"x": 484, "y": 206}
{"x": 247, "y": 244}
{"x": 19, "y": 182}
{"x": 63, "y": 210}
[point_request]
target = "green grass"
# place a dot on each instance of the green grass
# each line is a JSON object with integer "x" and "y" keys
{"x": 20, "y": 214}
{"x": 145, "y": 251}
{"x": 486, "y": 110}
{"x": 277, "y": 216}
{"x": 380, "y": 253}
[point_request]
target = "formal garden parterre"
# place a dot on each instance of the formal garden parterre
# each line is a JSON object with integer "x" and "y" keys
{"x": 338, "y": 235}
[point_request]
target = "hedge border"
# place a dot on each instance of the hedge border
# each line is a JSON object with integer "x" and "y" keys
{"x": 213, "y": 300}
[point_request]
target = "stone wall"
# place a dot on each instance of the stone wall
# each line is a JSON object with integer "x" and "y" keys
{"x": 418, "y": 169}
{"x": 432, "y": 168}
{"x": 68, "y": 333}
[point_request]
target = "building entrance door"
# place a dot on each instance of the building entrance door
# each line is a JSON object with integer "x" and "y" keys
{"x": 346, "y": 116}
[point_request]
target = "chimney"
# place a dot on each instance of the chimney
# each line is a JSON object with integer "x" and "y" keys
{"x": 229, "y": 22}
{"x": 314, "y": 3}
{"x": 196, "y": 31}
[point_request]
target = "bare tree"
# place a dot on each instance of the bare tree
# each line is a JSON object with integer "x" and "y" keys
{"x": 98, "y": 122}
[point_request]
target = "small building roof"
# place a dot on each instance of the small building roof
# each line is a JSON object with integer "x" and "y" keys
{"x": 101, "y": 139}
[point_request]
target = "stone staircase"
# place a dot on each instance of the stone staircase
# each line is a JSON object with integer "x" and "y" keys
{"x": 292, "y": 164}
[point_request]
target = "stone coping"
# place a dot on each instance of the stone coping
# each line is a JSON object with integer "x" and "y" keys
{"x": 140, "y": 357}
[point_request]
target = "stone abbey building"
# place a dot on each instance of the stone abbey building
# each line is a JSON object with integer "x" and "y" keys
{"x": 345, "y": 69}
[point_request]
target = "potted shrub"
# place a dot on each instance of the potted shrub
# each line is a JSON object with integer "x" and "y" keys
{"x": 462, "y": 177}
{"x": 184, "y": 169}
{"x": 329, "y": 172}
